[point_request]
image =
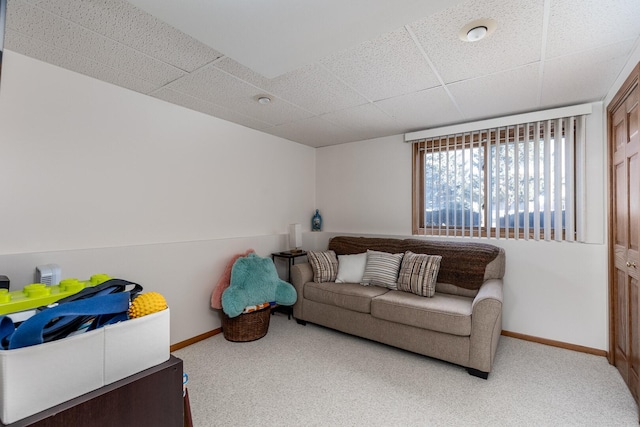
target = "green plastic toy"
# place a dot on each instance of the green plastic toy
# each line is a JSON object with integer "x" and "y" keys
{"x": 38, "y": 294}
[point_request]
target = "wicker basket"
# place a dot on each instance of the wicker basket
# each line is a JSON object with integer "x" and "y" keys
{"x": 246, "y": 327}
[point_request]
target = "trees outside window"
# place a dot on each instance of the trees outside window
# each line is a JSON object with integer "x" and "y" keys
{"x": 512, "y": 182}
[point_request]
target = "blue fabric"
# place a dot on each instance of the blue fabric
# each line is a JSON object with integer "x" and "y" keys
{"x": 108, "y": 309}
{"x": 6, "y": 330}
{"x": 254, "y": 280}
{"x": 60, "y": 328}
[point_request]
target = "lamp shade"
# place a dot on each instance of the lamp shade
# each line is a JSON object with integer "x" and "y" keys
{"x": 295, "y": 236}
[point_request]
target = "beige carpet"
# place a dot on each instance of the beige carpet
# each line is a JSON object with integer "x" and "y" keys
{"x": 312, "y": 376}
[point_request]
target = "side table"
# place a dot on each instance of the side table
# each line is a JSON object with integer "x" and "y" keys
{"x": 291, "y": 259}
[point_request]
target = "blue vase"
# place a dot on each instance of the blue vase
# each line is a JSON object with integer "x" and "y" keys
{"x": 316, "y": 222}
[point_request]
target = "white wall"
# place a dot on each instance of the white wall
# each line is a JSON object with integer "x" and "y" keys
{"x": 552, "y": 290}
{"x": 100, "y": 179}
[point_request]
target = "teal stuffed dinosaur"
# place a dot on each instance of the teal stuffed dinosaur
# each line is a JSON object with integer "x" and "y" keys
{"x": 254, "y": 280}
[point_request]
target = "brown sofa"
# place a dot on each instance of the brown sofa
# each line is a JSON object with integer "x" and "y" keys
{"x": 460, "y": 324}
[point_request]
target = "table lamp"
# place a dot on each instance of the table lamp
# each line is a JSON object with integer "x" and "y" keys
{"x": 295, "y": 238}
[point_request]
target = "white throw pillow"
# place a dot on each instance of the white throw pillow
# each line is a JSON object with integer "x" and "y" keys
{"x": 351, "y": 268}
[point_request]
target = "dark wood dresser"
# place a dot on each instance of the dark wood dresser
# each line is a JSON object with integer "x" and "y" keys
{"x": 151, "y": 398}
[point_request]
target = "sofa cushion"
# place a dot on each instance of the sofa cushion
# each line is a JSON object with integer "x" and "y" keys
{"x": 324, "y": 265}
{"x": 382, "y": 269}
{"x": 418, "y": 273}
{"x": 351, "y": 296}
{"x": 450, "y": 314}
{"x": 351, "y": 268}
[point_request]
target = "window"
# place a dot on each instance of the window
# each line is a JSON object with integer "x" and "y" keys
{"x": 517, "y": 181}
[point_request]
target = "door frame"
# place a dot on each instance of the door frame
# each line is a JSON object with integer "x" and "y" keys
{"x": 632, "y": 80}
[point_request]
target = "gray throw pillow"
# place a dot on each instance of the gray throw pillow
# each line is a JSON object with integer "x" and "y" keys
{"x": 381, "y": 269}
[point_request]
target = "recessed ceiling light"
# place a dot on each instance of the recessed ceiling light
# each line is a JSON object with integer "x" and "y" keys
{"x": 476, "y": 33}
{"x": 477, "y": 30}
{"x": 264, "y": 100}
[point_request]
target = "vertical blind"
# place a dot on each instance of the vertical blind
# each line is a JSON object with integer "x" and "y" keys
{"x": 517, "y": 181}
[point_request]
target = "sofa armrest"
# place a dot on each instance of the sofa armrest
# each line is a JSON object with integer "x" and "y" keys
{"x": 490, "y": 289}
{"x": 486, "y": 325}
{"x": 300, "y": 274}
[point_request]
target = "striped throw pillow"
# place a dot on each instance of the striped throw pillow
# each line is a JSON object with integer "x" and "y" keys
{"x": 419, "y": 273}
{"x": 381, "y": 269}
{"x": 324, "y": 266}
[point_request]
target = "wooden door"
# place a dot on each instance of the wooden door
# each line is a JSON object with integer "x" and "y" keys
{"x": 624, "y": 142}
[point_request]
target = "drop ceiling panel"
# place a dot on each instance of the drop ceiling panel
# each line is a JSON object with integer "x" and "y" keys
{"x": 208, "y": 108}
{"x": 584, "y": 76}
{"x": 63, "y": 34}
{"x": 238, "y": 70}
{"x": 499, "y": 94}
{"x": 388, "y": 66}
{"x": 315, "y": 89}
{"x": 516, "y": 41}
{"x": 421, "y": 110}
{"x": 62, "y": 58}
{"x": 368, "y": 121}
{"x": 311, "y": 88}
{"x": 313, "y": 131}
{"x": 119, "y": 20}
{"x": 217, "y": 87}
{"x": 577, "y": 25}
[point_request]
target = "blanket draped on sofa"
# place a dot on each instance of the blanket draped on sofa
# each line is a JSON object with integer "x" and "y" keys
{"x": 465, "y": 269}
